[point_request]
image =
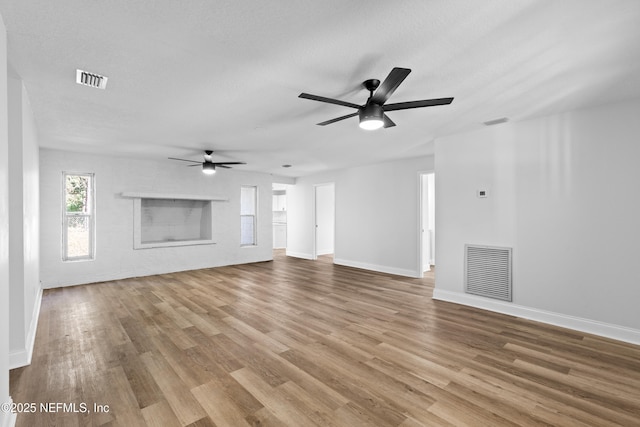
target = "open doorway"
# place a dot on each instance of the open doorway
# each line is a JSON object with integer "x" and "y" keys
{"x": 279, "y": 216}
{"x": 324, "y": 212}
{"x": 427, "y": 222}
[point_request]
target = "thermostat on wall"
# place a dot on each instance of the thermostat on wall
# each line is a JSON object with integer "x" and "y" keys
{"x": 482, "y": 193}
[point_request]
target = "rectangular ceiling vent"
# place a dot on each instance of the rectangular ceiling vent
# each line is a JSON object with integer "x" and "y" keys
{"x": 496, "y": 121}
{"x": 91, "y": 79}
{"x": 488, "y": 271}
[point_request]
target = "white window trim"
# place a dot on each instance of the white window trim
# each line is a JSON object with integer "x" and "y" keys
{"x": 91, "y": 215}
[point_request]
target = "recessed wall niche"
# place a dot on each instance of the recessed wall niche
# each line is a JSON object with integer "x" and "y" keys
{"x": 161, "y": 220}
{"x": 171, "y": 220}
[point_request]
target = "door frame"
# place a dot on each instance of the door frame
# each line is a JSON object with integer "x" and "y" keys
{"x": 314, "y": 254}
{"x": 420, "y": 222}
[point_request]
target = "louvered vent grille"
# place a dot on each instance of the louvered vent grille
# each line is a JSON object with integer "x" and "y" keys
{"x": 91, "y": 79}
{"x": 488, "y": 271}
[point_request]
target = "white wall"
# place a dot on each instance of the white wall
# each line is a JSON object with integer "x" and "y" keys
{"x": 563, "y": 193}
{"x": 115, "y": 256}
{"x": 6, "y": 419}
{"x": 24, "y": 250}
{"x": 376, "y": 220}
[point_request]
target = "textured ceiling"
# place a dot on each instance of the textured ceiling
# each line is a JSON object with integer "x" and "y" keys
{"x": 189, "y": 75}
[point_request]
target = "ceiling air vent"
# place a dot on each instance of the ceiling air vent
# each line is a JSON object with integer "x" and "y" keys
{"x": 90, "y": 79}
{"x": 496, "y": 121}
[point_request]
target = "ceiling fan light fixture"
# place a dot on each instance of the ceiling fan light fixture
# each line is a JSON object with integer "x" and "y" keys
{"x": 371, "y": 114}
{"x": 208, "y": 168}
{"x": 371, "y": 117}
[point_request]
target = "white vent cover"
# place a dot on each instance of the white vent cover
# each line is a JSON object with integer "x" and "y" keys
{"x": 488, "y": 271}
{"x": 91, "y": 79}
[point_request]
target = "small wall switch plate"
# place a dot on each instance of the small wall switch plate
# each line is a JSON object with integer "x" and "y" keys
{"x": 482, "y": 193}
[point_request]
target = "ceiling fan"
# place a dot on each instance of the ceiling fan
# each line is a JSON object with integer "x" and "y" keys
{"x": 372, "y": 113}
{"x": 209, "y": 166}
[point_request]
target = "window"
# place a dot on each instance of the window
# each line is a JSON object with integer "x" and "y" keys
{"x": 248, "y": 220}
{"x": 78, "y": 217}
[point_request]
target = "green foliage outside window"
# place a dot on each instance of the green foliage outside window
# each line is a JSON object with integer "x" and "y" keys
{"x": 77, "y": 191}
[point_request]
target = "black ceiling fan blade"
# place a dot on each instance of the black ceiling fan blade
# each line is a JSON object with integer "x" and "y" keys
{"x": 228, "y": 163}
{"x": 199, "y": 164}
{"x": 337, "y": 119}
{"x": 417, "y": 104}
{"x": 389, "y": 85}
{"x": 328, "y": 100}
{"x": 222, "y": 166}
{"x": 183, "y": 160}
{"x": 388, "y": 123}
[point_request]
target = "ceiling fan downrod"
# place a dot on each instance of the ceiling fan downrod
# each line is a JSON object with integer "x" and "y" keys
{"x": 371, "y": 85}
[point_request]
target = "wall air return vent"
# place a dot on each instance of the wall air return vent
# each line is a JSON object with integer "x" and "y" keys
{"x": 488, "y": 271}
{"x": 91, "y": 79}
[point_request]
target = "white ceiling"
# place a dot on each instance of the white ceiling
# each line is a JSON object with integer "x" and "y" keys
{"x": 189, "y": 75}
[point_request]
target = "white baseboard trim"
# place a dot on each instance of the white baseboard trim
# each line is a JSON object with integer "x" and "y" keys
{"x": 22, "y": 357}
{"x": 129, "y": 274}
{"x": 299, "y": 255}
{"x": 8, "y": 419}
{"x": 18, "y": 359}
{"x": 378, "y": 268}
{"x": 325, "y": 252}
{"x": 620, "y": 333}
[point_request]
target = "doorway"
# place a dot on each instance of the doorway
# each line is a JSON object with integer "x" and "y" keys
{"x": 324, "y": 219}
{"x": 279, "y": 216}
{"x": 427, "y": 222}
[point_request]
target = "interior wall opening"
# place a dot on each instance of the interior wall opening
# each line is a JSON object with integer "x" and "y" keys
{"x": 279, "y": 212}
{"x": 427, "y": 221}
{"x": 324, "y": 240}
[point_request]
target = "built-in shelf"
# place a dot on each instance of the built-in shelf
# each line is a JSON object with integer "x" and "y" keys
{"x": 140, "y": 195}
{"x": 172, "y": 243}
{"x": 163, "y": 220}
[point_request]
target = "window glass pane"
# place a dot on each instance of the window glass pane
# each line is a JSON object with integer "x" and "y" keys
{"x": 248, "y": 201}
{"x": 78, "y": 236}
{"x": 247, "y": 230}
{"x": 78, "y": 227}
{"x": 77, "y": 193}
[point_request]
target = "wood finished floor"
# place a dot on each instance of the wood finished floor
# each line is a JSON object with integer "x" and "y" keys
{"x": 301, "y": 343}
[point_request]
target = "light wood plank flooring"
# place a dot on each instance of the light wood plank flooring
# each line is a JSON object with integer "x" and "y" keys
{"x": 302, "y": 343}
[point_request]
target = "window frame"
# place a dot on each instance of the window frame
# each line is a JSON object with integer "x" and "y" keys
{"x": 90, "y": 215}
{"x": 254, "y": 215}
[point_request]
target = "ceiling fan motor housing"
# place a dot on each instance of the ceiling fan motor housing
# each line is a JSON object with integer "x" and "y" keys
{"x": 371, "y": 112}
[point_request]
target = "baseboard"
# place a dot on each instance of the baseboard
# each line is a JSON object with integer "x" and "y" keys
{"x": 299, "y": 254}
{"x": 130, "y": 274}
{"x": 325, "y": 252}
{"x": 620, "y": 333}
{"x": 376, "y": 267}
{"x": 8, "y": 419}
{"x": 86, "y": 279}
{"x": 20, "y": 358}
